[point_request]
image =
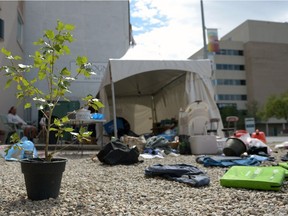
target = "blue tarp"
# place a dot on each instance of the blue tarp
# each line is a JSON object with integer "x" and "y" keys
{"x": 224, "y": 161}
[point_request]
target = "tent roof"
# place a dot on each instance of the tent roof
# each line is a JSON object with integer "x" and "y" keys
{"x": 122, "y": 68}
{"x": 146, "y": 83}
{"x": 148, "y": 77}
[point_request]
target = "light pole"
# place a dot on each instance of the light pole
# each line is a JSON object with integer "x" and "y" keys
{"x": 205, "y": 55}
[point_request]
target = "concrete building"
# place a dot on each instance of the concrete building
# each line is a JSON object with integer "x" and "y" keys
{"x": 251, "y": 66}
{"x": 11, "y": 37}
{"x": 102, "y": 31}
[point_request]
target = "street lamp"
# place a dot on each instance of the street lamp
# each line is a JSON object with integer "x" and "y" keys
{"x": 205, "y": 55}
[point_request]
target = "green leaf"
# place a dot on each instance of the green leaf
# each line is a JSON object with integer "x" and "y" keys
{"x": 25, "y": 82}
{"x": 60, "y": 26}
{"x": 49, "y": 34}
{"x": 41, "y": 75}
{"x": 86, "y": 133}
{"x": 69, "y": 27}
{"x": 66, "y": 49}
{"x": 27, "y": 105}
{"x": 5, "y": 52}
{"x": 34, "y": 80}
{"x": 57, "y": 47}
{"x": 87, "y": 98}
{"x": 82, "y": 130}
{"x": 98, "y": 104}
{"x": 57, "y": 122}
{"x": 68, "y": 129}
{"x": 8, "y": 83}
{"x": 81, "y": 60}
{"x": 17, "y": 57}
{"x": 69, "y": 38}
{"x": 19, "y": 87}
{"x": 20, "y": 95}
{"x": 65, "y": 119}
{"x": 14, "y": 138}
{"x": 65, "y": 72}
{"x": 53, "y": 129}
{"x": 39, "y": 42}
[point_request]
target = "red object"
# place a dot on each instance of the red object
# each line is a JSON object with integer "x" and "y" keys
{"x": 259, "y": 135}
{"x": 239, "y": 133}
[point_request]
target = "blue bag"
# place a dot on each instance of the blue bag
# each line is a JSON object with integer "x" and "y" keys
{"x": 23, "y": 149}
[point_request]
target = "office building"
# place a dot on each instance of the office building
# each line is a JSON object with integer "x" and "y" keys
{"x": 102, "y": 31}
{"x": 250, "y": 66}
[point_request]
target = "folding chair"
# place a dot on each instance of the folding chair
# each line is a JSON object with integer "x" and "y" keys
{"x": 9, "y": 128}
{"x": 231, "y": 125}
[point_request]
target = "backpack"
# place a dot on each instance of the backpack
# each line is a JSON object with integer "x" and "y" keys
{"x": 116, "y": 152}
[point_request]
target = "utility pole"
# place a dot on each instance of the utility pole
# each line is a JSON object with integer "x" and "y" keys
{"x": 205, "y": 55}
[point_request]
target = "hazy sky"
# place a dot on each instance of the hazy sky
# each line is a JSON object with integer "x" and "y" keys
{"x": 172, "y": 29}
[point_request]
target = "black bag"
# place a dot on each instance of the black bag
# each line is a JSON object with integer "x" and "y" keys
{"x": 116, "y": 152}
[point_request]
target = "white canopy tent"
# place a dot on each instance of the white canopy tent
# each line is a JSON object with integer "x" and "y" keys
{"x": 147, "y": 91}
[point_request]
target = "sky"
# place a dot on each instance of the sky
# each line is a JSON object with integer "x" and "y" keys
{"x": 172, "y": 29}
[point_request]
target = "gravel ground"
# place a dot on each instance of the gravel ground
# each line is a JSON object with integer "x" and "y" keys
{"x": 91, "y": 188}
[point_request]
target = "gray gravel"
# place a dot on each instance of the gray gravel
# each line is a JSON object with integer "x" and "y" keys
{"x": 91, "y": 188}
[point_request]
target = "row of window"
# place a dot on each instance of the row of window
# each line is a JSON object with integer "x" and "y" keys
{"x": 229, "y": 67}
{"x": 232, "y": 82}
{"x": 223, "y": 105}
{"x": 230, "y": 52}
{"x": 230, "y": 97}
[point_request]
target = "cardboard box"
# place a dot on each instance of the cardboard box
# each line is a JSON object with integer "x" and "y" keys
{"x": 203, "y": 144}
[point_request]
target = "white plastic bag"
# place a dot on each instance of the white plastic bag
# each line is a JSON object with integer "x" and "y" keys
{"x": 258, "y": 144}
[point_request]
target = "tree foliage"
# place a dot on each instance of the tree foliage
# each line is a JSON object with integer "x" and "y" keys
{"x": 276, "y": 106}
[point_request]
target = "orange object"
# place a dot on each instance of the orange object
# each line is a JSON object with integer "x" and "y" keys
{"x": 239, "y": 133}
{"x": 259, "y": 135}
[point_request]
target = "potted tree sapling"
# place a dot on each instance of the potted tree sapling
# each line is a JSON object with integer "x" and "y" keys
{"x": 43, "y": 175}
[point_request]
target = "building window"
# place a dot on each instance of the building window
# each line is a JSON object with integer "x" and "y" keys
{"x": 20, "y": 26}
{"x": 229, "y": 67}
{"x": 223, "y": 105}
{"x": 230, "y": 52}
{"x": 230, "y": 97}
{"x": 232, "y": 82}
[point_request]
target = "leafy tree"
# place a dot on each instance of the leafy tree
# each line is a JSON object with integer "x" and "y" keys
{"x": 252, "y": 109}
{"x": 276, "y": 106}
{"x": 51, "y": 47}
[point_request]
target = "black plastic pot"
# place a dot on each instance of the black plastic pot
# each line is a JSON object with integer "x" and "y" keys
{"x": 42, "y": 178}
{"x": 234, "y": 147}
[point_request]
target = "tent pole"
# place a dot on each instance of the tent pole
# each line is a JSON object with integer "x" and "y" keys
{"x": 114, "y": 105}
{"x": 154, "y": 115}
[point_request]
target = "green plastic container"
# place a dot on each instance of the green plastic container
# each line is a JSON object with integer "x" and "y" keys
{"x": 253, "y": 177}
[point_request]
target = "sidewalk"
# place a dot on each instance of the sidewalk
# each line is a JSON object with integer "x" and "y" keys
{"x": 276, "y": 139}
